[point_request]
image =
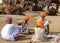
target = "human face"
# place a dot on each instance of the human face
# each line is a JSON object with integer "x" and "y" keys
{"x": 42, "y": 18}
{"x": 26, "y": 21}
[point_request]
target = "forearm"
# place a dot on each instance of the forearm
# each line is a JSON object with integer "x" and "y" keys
{"x": 47, "y": 30}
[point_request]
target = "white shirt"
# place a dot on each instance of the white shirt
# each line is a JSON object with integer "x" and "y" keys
{"x": 9, "y": 31}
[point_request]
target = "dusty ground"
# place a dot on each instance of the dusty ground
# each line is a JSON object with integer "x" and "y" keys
{"x": 54, "y": 25}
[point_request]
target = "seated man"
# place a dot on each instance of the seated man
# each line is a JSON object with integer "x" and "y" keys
{"x": 25, "y": 25}
{"x": 9, "y": 31}
{"x": 39, "y": 32}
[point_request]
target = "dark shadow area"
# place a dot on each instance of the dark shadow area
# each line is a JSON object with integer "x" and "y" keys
{"x": 55, "y": 32}
{"x": 21, "y": 38}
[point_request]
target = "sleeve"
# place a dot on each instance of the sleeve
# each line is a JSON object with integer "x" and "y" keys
{"x": 46, "y": 23}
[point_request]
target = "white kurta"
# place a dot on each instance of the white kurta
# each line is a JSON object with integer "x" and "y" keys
{"x": 39, "y": 34}
{"x": 9, "y": 32}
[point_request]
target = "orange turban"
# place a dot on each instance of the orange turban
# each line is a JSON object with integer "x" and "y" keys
{"x": 43, "y": 14}
{"x": 26, "y": 17}
{"x": 40, "y": 23}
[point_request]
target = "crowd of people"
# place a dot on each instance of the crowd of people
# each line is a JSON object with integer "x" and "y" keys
{"x": 51, "y": 7}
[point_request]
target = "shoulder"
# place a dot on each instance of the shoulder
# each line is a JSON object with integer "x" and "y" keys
{"x": 45, "y": 19}
{"x": 11, "y": 24}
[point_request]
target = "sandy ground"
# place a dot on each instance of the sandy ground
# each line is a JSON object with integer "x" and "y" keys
{"x": 54, "y": 25}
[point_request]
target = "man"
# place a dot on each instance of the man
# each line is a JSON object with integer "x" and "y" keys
{"x": 39, "y": 32}
{"x": 25, "y": 24}
{"x": 9, "y": 31}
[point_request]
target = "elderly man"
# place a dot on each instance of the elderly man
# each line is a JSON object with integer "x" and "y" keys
{"x": 10, "y": 31}
{"x": 25, "y": 24}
